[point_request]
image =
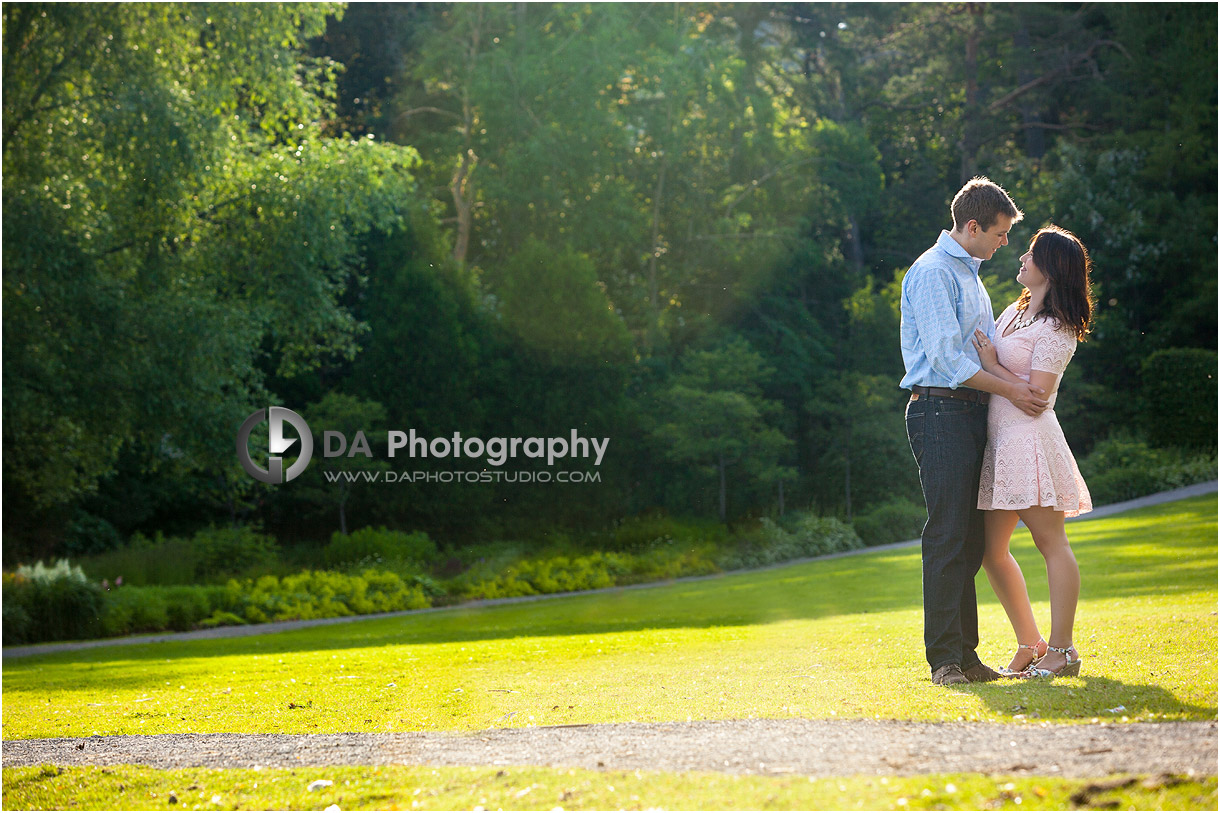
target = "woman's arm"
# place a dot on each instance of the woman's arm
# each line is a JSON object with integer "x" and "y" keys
{"x": 991, "y": 362}
{"x": 1044, "y": 379}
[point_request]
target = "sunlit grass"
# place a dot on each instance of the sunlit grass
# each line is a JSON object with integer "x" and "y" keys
{"x": 831, "y": 639}
{"x": 421, "y": 788}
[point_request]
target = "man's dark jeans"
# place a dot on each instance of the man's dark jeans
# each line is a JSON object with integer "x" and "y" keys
{"x": 947, "y": 438}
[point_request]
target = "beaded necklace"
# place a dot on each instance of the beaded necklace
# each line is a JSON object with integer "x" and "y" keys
{"x": 1020, "y": 323}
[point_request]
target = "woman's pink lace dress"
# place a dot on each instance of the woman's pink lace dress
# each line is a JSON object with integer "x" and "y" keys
{"x": 1027, "y": 460}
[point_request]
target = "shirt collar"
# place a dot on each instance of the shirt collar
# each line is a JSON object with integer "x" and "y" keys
{"x": 947, "y": 244}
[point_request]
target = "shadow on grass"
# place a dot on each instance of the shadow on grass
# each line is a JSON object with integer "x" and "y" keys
{"x": 1101, "y": 697}
{"x": 1163, "y": 550}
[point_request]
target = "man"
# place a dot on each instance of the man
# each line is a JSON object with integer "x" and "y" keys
{"x": 943, "y": 302}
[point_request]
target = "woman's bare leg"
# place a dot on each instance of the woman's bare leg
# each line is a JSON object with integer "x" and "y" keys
{"x": 1062, "y": 575}
{"x": 1009, "y": 584}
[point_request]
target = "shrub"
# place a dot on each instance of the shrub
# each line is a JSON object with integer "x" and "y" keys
{"x": 211, "y": 554}
{"x": 894, "y": 521}
{"x": 552, "y": 574}
{"x": 323, "y": 594}
{"x": 17, "y": 622}
{"x": 142, "y": 561}
{"x": 87, "y": 534}
{"x": 1179, "y": 389}
{"x": 227, "y": 550}
{"x": 1123, "y": 468}
{"x": 378, "y": 545}
{"x": 771, "y": 542}
{"x": 818, "y": 536}
{"x": 643, "y": 533}
{"x": 672, "y": 563}
{"x": 186, "y": 606}
{"x": 486, "y": 562}
{"x": 51, "y": 603}
{"x": 130, "y": 610}
{"x": 222, "y": 618}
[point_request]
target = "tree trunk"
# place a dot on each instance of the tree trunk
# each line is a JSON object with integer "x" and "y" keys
{"x": 857, "y": 247}
{"x": 343, "y": 517}
{"x": 723, "y": 513}
{"x": 781, "y": 498}
{"x": 654, "y": 307}
{"x": 1035, "y": 136}
{"x": 847, "y": 473}
{"x": 969, "y": 143}
{"x": 459, "y": 185}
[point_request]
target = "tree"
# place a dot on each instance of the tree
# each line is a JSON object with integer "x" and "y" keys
{"x": 715, "y": 418}
{"x": 359, "y": 445}
{"x": 175, "y": 224}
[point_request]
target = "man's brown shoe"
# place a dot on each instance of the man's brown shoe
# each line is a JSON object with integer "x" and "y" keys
{"x": 981, "y": 673}
{"x": 949, "y": 675}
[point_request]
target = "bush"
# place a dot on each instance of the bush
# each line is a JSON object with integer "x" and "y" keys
{"x": 186, "y": 606}
{"x": 129, "y": 610}
{"x": 87, "y": 534}
{"x": 894, "y": 521}
{"x": 17, "y": 622}
{"x": 222, "y": 618}
{"x": 1179, "y": 389}
{"x": 771, "y": 542}
{"x": 487, "y": 562}
{"x": 818, "y": 536}
{"x": 143, "y": 561}
{"x": 378, "y": 545}
{"x": 673, "y": 562}
{"x": 324, "y": 594}
{"x": 1123, "y": 467}
{"x": 227, "y": 551}
{"x": 51, "y": 603}
{"x": 643, "y": 533}
{"x": 212, "y": 554}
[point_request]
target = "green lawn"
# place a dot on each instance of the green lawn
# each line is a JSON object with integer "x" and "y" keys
{"x": 838, "y": 638}
{"x": 830, "y": 639}
{"x": 422, "y": 788}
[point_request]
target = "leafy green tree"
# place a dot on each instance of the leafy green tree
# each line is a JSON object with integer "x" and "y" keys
{"x": 715, "y": 418}
{"x": 360, "y": 427}
{"x": 175, "y": 224}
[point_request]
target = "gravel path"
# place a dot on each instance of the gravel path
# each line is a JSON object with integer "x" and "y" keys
{"x": 809, "y": 747}
{"x": 1195, "y": 490}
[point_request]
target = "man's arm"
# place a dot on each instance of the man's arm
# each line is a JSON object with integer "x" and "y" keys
{"x": 1027, "y": 397}
{"x": 932, "y": 295}
{"x": 991, "y": 365}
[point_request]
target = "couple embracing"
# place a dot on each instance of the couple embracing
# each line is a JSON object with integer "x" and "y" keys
{"x": 983, "y": 430}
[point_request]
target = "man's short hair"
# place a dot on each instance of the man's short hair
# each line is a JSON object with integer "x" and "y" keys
{"x": 982, "y": 200}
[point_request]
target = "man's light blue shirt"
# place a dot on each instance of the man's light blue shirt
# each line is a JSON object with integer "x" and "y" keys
{"x": 943, "y": 301}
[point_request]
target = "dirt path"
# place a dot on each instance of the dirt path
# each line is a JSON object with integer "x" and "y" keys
{"x": 820, "y": 748}
{"x": 284, "y": 626}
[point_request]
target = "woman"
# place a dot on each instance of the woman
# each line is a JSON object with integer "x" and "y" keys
{"x": 1028, "y": 469}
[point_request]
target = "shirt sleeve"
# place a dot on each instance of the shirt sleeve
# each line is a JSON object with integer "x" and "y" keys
{"x": 1053, "y": 350}
{"x": 933, "y": 296}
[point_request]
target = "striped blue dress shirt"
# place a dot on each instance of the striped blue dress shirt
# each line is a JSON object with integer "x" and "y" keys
{"x": 943, "y": 301}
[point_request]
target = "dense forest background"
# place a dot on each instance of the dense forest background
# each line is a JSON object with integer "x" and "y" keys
{"x": 679, "y": 226}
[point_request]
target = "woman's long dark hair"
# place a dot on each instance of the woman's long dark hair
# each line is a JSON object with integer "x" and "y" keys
{"x": 1065, "y": 263}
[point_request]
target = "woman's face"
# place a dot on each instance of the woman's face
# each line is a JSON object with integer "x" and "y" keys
{"x": 1030, "y": 275}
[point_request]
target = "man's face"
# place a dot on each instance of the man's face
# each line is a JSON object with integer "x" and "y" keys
{"x": 984, "y": 244}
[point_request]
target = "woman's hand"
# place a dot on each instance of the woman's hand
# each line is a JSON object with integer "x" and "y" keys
{"x": 987, "y": 354}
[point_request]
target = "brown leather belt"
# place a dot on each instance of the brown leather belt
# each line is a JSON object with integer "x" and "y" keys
{"x": 973, "y": 396}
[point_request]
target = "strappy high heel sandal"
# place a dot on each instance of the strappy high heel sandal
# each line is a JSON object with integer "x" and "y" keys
{"x": 1071, "y": 668}
{"x": 1037, "y": 647}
